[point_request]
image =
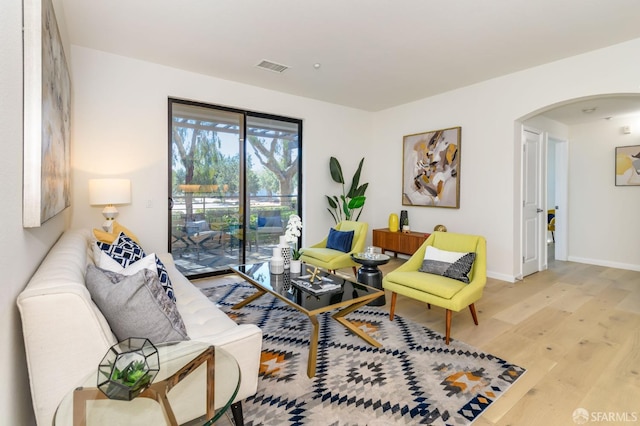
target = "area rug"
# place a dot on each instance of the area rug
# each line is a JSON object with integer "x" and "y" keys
{"x": 413, "y": 379}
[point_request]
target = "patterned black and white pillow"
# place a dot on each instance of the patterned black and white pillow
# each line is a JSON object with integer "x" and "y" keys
{"x": 125, "y": 251}
{"x": 449, "y": 264}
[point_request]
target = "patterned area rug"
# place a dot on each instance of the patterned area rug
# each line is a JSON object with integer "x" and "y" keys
{"x": 413, "y": 379}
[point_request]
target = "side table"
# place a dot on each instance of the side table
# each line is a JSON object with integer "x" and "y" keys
{"x": 369, "y": 274}
{"x": 197, "y": 383}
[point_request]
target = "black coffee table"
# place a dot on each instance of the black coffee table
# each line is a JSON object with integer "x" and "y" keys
{"x": 346, "y": 298}
{"x": 369, "y": 273}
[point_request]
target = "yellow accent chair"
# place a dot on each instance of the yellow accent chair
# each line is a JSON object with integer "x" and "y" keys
{"x": 551, "y": 223}
{"x": 330, "y": 259}
{"x": 448, "y": 293}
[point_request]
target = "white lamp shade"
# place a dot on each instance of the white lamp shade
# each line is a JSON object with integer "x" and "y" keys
{"x": 109, "y": 191}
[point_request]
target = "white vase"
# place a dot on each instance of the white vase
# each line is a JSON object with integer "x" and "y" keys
{"x": 276, "y": 264}
{"x": 295, "y": 266}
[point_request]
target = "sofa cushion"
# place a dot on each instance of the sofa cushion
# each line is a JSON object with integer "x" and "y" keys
{"x": 437, "y": 285}
{"x": 339, "y": 240}
{"x": 135, "y": 305}
{"x": 125, "y": 251}
{"x": 449, "y": 264}
{"x": 109, "y": 264}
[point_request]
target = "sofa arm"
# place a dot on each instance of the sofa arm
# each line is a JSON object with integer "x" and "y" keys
{"x": 65, "y": 340}
{"x": 244, "y": 342}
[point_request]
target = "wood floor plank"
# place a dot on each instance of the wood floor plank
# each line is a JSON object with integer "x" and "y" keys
{"x": 618, "y": 388}
{"x": 520, "y": 311}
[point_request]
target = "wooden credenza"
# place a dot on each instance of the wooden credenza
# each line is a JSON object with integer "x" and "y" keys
{"x": 398, "y": 242}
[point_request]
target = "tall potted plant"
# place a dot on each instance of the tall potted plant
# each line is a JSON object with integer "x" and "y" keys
{"x": 347, "y": 206}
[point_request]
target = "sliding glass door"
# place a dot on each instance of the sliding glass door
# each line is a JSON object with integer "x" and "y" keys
{"x": 234, "y": 181}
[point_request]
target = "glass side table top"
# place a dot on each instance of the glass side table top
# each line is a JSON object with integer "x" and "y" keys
{"x": 187, "y": 398}
{"x": 371, "y": 259}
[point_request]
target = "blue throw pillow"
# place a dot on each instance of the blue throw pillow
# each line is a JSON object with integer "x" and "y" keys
{"x": 340, "y": 240}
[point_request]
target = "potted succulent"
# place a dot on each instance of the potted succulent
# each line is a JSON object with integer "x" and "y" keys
{"x": 128, "y": 368}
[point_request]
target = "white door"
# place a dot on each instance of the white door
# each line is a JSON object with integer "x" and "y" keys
{"x": 532, "y": 214}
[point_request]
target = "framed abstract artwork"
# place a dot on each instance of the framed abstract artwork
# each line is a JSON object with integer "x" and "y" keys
{"x": 628, "y": 165}
{"x": 431, "y": 169}
{"x": 47, "y": 116}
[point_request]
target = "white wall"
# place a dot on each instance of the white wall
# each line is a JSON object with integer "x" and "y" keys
{"x": 21, "y": 250}
{"x": 603, "y": 218}
{"x": 120, "y": 127}
{"x": 489, "y": 114}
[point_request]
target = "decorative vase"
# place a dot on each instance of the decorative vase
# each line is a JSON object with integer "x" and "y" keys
{"x": 295, "y": 266}
{"x": 285, "y": 251}
{"x": 393, "y": 222}
{"x": 276, "y": 264}
{"x": 404, "y": 218}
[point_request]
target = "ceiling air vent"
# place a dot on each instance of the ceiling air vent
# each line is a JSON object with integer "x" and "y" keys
{"x": 272, "y": 66}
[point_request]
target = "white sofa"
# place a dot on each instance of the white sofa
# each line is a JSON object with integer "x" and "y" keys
{"x": 66, "y": 335}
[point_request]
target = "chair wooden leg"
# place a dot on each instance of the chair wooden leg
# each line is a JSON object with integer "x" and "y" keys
{"x": 428, "y": 305}
{"x": 392, "y": 309}
{"x": 446, "y": 339}
{"x": 472, "y": 308}
{"x": 355, "y": 271}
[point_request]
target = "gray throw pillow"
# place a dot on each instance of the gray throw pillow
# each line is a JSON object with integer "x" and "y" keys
{"x": 449, "y": 264}
{"x": 135, "y": 305}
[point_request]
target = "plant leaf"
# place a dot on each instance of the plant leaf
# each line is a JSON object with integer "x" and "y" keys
{"x": 333, "y": 215}
{"x": 357, "y": 202}
{"x": 356, "y": 180}
{"x": 336, "y": 170}
{"x": 332, "y": 203}
{"x": 361, "y": 190}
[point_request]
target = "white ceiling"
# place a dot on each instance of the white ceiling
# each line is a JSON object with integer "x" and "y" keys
{"x": 374, "y": 54}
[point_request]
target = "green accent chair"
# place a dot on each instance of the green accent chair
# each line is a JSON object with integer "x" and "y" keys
{"x": 448, "y": 293}
{"x": 330, "y": 259}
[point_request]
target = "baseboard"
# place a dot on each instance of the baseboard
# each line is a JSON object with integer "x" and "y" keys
{"x": 502, "y": 277}
{"x": 607, "y": 263}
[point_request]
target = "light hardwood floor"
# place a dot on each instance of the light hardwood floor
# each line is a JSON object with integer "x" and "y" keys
{"x": 574, "y": 327}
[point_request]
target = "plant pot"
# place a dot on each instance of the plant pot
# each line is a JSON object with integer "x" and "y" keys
{"x": 295, "y": 266}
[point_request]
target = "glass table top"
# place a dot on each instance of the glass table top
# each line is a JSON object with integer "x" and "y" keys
{"x": 297, "y": 289}
{"x": 187, "y": 398}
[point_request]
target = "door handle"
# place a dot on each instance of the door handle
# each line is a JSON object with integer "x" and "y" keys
{"x": 539, "y": 210}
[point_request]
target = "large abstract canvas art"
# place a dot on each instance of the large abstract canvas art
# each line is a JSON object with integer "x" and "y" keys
{"x": 431, "y": 169}
{"x": 47, "y": 116}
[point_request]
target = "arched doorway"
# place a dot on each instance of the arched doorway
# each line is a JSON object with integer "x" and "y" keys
{"x": 573, "y": 126}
